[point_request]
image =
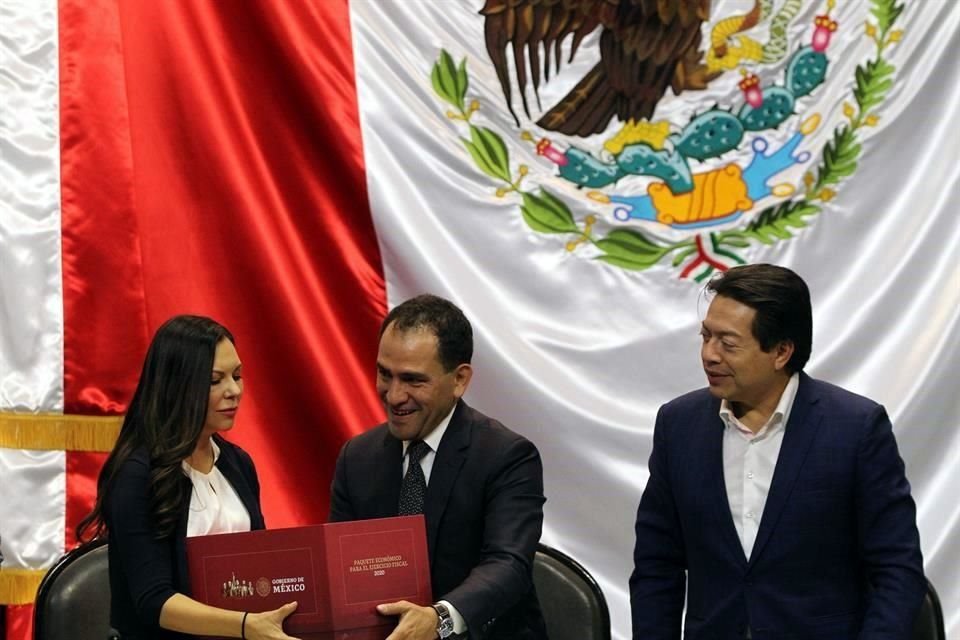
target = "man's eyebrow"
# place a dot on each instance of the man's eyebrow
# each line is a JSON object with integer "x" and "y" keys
{"x": 403, "y": 375}
{"x": 720, "y": 332}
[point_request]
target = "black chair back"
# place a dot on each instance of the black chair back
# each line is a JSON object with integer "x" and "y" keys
{"x": 573, "y": 604}
{"x": 73, "y": 601}
{"x": 929, "y": 624}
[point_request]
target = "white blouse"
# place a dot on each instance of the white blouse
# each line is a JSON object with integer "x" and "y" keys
{"x": 215, "y": 506}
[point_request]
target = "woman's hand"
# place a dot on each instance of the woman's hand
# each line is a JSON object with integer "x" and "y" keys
{"x": 269, "y": 624}
{"x": 184, "y": 614}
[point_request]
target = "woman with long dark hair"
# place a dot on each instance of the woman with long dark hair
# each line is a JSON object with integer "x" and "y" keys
{"x": 171, "y": 475}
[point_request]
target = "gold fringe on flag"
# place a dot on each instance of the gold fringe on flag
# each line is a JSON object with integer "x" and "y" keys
{"x": 19, "y": 586}
{"x": 56, "y": 432}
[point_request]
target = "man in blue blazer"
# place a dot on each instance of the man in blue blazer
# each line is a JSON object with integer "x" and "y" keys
{"x": 776, "y": 503}
{"x": 481, "y": 485}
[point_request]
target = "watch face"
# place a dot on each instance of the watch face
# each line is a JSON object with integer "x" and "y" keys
{"x": 444, "y": 622}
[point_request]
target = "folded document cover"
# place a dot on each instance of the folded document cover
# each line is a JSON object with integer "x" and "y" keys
{"x": 337, "y": 572}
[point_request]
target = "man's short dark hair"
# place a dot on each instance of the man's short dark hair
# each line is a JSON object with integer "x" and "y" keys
{"x": 440, "y": 317}
{"x": 782, "y": 302}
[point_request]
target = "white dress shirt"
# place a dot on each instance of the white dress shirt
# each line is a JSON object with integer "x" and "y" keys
{"x": 426, "y": 463}
{"x": 432, "y": 441}
{"x": 749, "y": 460}
{"x": 215, "y": 506}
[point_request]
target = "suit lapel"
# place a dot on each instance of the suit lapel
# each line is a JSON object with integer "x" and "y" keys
{"x": 716, "y": 483}
{"x": 451, "y": 455}
{"x": 390, "y": 475}
{"x": 797, "y": 439}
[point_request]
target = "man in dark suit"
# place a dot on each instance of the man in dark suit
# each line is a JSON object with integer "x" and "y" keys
{"x": 776, "y": 502}
{"x": 478, "y": 484}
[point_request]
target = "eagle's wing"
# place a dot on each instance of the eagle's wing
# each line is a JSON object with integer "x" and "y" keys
{"x": 642, "y": 43}
{"x": 528, "y": 25}
{"x": 640, "y": 53}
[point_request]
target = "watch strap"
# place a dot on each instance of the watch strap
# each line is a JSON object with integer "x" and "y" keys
{"x": 444, "y": 620}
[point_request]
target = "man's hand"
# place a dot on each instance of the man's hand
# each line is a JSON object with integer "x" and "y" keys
{"x": 416, "y": 623}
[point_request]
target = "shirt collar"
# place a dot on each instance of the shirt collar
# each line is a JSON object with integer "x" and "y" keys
{"x": 433, "y": 440}
{"x": 778, "y": 418}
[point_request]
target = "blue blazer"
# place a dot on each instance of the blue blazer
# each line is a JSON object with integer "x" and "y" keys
{"x": 484, "y": 513}
{"x": 837, "y": 554}
{"x": 144, "y": 570}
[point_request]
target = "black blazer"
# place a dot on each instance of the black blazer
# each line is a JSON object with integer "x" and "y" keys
{"x": 837, "y": 554}
{"x": 144, "y": 571}
{"x": 484, "y": 514}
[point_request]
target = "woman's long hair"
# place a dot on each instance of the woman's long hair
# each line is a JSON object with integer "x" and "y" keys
{"x": 165, "y": 417}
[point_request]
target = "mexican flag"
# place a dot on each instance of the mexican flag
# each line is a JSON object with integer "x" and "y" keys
{"x": 570, "y": 174}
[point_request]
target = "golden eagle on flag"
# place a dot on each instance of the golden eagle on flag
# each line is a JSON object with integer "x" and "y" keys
{"x": 645, "y": 46}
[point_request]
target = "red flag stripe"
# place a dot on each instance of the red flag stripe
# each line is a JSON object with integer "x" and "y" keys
{"x": 105, "y": 329}
{"x": 212, "y": 163}
{"x": 226, "y": 151}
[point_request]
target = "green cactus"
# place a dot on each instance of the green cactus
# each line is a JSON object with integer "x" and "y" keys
{"x": 806, "y": 71}
{"x": 642, "y": 159}
{"x": 586, "y": 171}
{"x": 777, "y": 106}
{"x": 709, "y": 135}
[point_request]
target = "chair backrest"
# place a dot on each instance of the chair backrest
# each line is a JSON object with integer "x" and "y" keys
{"x": 573, "y": 604}
{"x": 73, "y": 601}
{"x": 929, "y": 624}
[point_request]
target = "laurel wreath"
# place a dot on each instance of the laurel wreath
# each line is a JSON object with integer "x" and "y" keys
{"x": 544, "y": 212}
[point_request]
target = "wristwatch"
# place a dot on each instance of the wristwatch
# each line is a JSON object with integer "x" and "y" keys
{"x": 444, "y": 621}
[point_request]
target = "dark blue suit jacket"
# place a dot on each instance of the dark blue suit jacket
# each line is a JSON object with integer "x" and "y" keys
{"x": 837, "y": 554}
{"x": 146, "y": 571}
{"x": 484, "y": 513}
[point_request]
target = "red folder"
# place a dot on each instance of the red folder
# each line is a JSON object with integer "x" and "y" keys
{"x": 337, "y": 573}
